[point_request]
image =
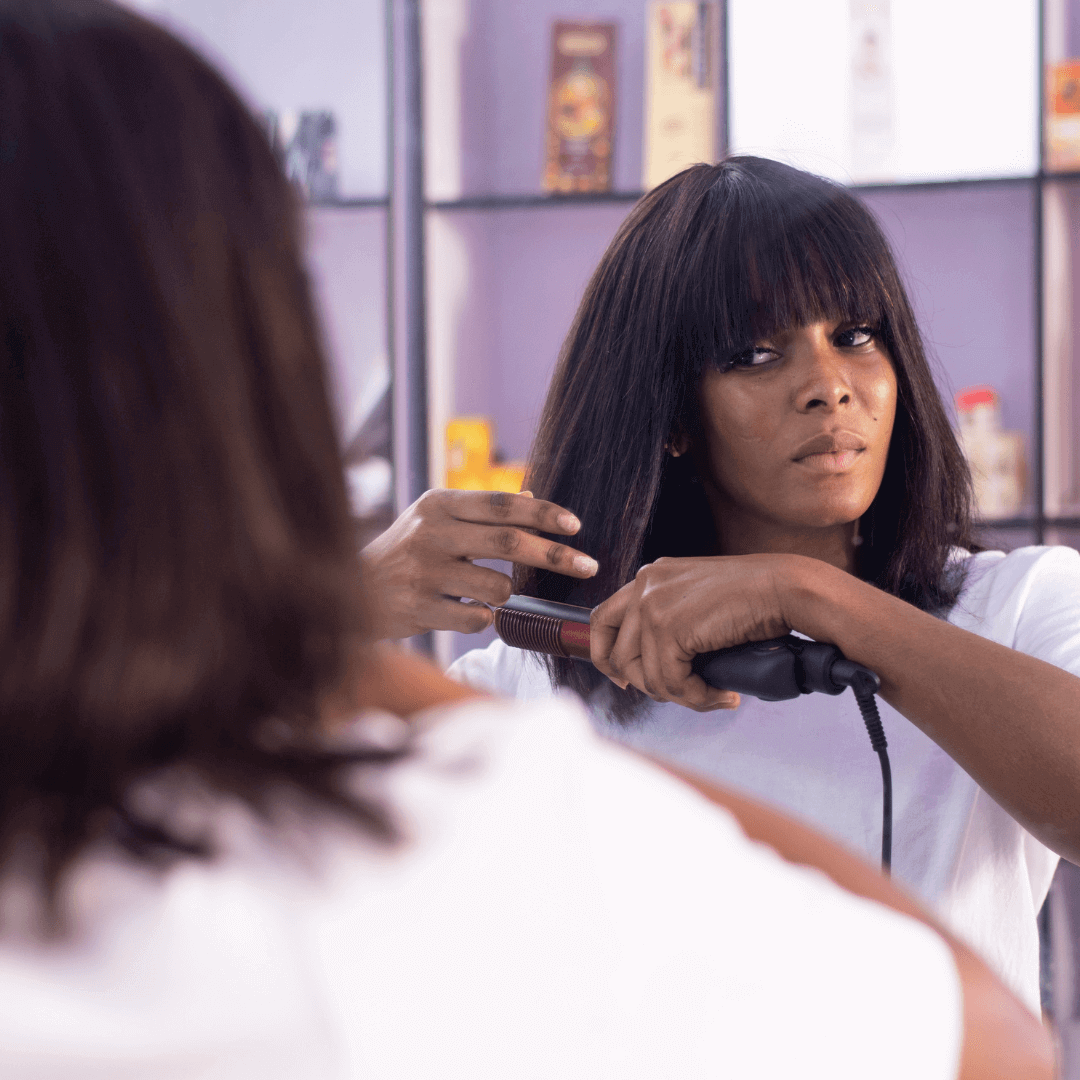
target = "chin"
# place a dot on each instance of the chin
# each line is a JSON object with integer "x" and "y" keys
{"x": 825, "y": 517}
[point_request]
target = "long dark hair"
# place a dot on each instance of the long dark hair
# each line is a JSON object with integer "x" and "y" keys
{"x": 178, "y": 577}
{"x": 710, "y": 261}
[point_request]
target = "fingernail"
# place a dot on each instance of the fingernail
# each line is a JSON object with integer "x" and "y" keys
{"x": 527, "y": 494}
{"x": 568, "y": 522}
{"x": 584, "y": 565}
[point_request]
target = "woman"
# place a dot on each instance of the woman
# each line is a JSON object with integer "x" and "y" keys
{"x": 745, "y": 421}
{"x": 223, "y": 851}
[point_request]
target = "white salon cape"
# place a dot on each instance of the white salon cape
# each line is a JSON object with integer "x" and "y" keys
{"x": 981, "y": 872}
{"x": 559, "y": 909}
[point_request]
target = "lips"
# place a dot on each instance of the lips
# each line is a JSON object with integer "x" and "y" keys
{"x": 832, "y": 444}
{"x": 831, "y": 452}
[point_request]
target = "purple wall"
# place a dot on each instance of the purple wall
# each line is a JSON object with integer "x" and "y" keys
{"x": 346, "y": 252}
{"x": 1072, "y": 28}
{"x": 316, "y": 55}
{"x": 967, "y": 255}
{"x": 528, "y": 270}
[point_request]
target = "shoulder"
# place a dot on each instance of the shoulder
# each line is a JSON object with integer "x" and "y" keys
{"x": 1028, "y": 599}
{"x": 503, "y": 670}
{"x": 627, "y": 903}
{"x": 993, "y": 571}
{"x": 991, "y": 578}
{"x": 660, "y": 906}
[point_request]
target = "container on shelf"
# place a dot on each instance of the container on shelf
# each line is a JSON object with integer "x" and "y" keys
{"x": 581, "y": 107}
{"x": 680, "y": 88}
{"x": 306, "y": 145}
{"x": 471, "y": 464}
{"x": 1063, "y": 116}
{"x": 996, "y": 456}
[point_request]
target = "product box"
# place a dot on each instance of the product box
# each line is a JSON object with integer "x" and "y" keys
{"x": 1063, "y": 116}
{"x": 581, "y": 107}
{"x": 681, "y": 60}
{"x": 469, "y": 458}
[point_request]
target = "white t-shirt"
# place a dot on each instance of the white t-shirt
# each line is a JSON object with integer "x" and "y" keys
{"x": 561, "y": 909}
{"x": 985, "y": 875}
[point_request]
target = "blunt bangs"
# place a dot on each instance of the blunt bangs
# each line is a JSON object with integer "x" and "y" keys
{"x": 786, "y": 249}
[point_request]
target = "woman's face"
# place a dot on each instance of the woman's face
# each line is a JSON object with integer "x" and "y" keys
{"x": 796, "y": 434}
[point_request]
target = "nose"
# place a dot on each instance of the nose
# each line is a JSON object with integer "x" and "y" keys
{"x": 825, "y": 385}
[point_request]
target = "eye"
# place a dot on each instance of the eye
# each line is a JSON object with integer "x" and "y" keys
{"x": 854, "y": 337}
{"x": 752, "y": 357}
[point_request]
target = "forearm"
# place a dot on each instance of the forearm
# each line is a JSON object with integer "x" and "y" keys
{"x": 1012, "y": 721}
{"x": 1002, "y": 1038}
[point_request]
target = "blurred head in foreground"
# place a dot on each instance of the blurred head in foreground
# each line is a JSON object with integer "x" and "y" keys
{"x": 178, "y": 580}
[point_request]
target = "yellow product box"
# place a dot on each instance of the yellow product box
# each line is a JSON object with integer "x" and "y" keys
{"x": 469, "y": 465}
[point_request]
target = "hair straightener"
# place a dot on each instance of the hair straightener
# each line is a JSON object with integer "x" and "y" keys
{"x": 774, "y": 670}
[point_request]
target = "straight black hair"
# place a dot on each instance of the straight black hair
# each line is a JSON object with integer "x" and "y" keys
{"x": 179, "y": 584}
{"x": 706, "y": 264}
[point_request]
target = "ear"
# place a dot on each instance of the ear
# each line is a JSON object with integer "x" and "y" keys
{"x": 678, "y": 443}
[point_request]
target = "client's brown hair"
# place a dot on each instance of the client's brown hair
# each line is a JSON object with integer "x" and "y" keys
{"x": 178, "y": 577}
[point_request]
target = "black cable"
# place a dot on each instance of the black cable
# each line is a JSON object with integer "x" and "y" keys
{"x": 868, "y": 707}
{"x": 864, "y": 684}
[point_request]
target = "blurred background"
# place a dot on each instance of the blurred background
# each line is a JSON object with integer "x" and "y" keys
{"x": 466, "y": 162}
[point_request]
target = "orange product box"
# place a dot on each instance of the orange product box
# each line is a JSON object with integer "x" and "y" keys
{"x": 1063, "y": 115}
{"x": 581, "y": 107}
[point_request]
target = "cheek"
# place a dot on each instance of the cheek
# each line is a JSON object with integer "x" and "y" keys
{"x": 738, "y": 435}
{"x": 881, "y": 402}
{"x": 736, "y": 418}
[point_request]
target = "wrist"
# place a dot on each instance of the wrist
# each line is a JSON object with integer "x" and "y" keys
{"x": 811, "y": 592}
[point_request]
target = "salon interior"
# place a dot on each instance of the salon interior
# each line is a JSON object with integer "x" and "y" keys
{"x": 463, "y": 175}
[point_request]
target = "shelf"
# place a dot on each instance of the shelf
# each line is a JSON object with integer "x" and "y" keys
{"x": 1031, "y": 522}
{"x": 517, "y": 202}
{"x": 372, "y": 202}
{"x": 544, "y": 200}
{"x": 1023, "y": 522}
{"x": 935, "y": 185}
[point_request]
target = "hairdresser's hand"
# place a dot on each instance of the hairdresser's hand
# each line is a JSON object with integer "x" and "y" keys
{"x": 422, "y": 564}
{"x": 647, "y": 634}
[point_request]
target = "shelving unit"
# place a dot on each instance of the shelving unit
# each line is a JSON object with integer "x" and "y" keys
{"x": 483, "y": 229}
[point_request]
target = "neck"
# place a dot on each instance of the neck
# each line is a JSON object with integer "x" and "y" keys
{"x": 741, "y": 534}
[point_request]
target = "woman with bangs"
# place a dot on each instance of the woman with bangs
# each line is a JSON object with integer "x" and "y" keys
{"x": 745, "y": 429}
{"x": 239, "y": 840}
